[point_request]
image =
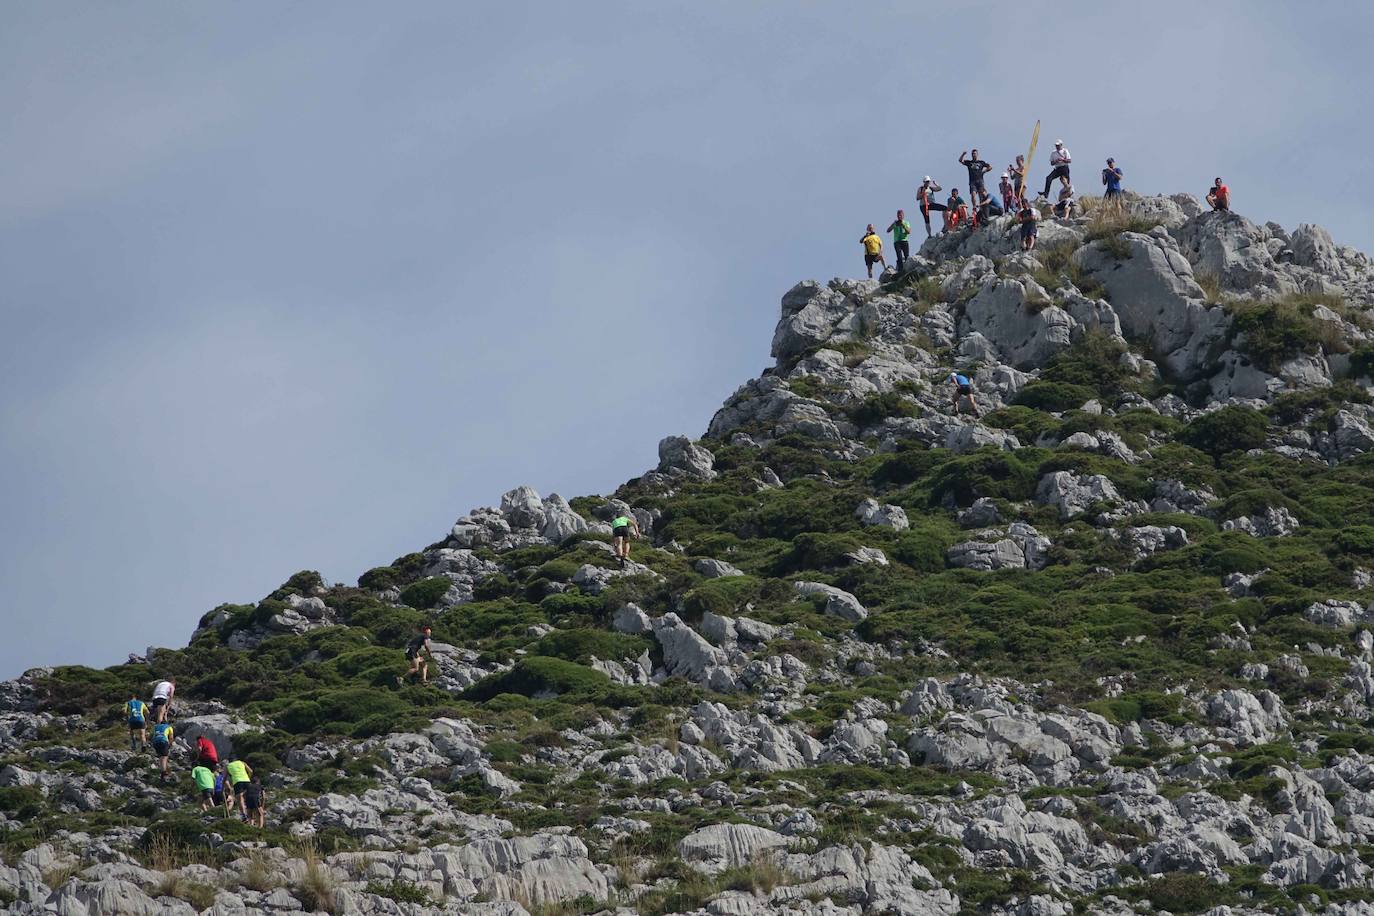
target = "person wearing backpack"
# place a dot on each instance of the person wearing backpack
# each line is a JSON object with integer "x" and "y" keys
{"x": 162, "y": 745}
{"x": 136, "y": 711}
{"x": 206, "y": 755}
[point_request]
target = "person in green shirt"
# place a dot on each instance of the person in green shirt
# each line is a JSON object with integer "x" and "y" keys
{"x": 137, "y": 712}
{"x": 623, "y": 527}
{"x": 901, "y": 231}
{"x": 205, "y": 783}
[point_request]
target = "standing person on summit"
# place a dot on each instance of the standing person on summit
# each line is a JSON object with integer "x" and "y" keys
{"x": 1028, "y": 218}
{"x": 1059, "y": 167}
{"x": 873, "y": 254}
{"x": 1111, "y": 178}
{"x": 1017, "y": 171}
{"x": 924, "y": 197}
{"x": 901, "y": 231}
{"x": 162, "y": 698}
{"x": 1008, "y": 192}
{"x": 977, "y": 168}
{"x": 1219, "y": 196}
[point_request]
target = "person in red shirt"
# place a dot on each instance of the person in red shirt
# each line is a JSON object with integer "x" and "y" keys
{"x": 206, "y": 755}
{"x": 1220, "y": 196}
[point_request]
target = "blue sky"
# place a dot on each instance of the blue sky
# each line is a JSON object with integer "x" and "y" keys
{"x": 293, "y": 286}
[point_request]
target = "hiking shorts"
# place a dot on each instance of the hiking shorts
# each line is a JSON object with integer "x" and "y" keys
{"x": 965, "y": 391}
{"x": 1110, "y": 193}
{"x": 136, "y": 725}
{"x": 624, "y": 530}
{"x": 871, "y": 259}
{"x": 161, "y": 748}
{"x": 207, "y": 795}
{"x": 238, "y": 787}
{"x": 159, "y": 701}
{"x": 218, "y": 797}
{"x": 1028, "y": 230}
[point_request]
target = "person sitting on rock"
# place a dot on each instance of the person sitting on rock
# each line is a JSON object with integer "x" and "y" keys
{"x": 963, "y": 388}
{"x": 237, "y": 774}
{"x": 1111, "y": 178}
{"x": 1065, "y": 206}
{"x": 956, "y": 210}
{"x": 624, "y": 527}
{"x": 162, "y": 745}
{"x": 1028, "y": 218}
{"x": 417, "y": 653}
{"x": 901, "y": 231}
{"x": 205, "y": 785}
{"x": 162, "y": 698}
{"x": 136, "y": 712}
{"x": 253, "y": 797}
{"x": 1059, "y": 167}
{"x": 987, "y": 208}
{"x": 1219, "y": 196}
{"x": 873, "y": 250}
{"x": 206, "y": 754}
{"x": 925, "y": 200}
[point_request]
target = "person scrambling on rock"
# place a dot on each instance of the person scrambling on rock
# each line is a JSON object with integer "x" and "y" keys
{"x": 162, "y": 698}
{"x": 873, "y": 250}
{"x": 624, "y": 527}
{"x": 956, "y": 211}
{"x": 926, "y": 201}
{"x": 162, "y": 746}
{"x": 1064, "y": 207}
{"x": 963, "y": 388}
{"x": 417, "y": 653}
{"x": 1028, "y": 218}
{"x": 1219, "y": 196}
{"x": 204, "y": 778}
{"x": 1111, "y": 179}
{"x": 136, "y": 712}
{"x": 977, "y": 168}
{"x": 253, "y": 802}
{"x": 1059, "y": 167}
{"x": 221, "y": 797}
{"x": 237, "y": 774}
{"x": 206, "y": 754}
{"x": 901, "y": 231}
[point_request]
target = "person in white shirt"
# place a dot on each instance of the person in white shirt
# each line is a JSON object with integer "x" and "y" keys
{"x": 1059, "y": 167}
{"x": 1065, "y": 207}
{"x": 162, "y": 698}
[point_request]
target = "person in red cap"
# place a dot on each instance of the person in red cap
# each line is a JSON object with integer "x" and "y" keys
{"x": 1219, "y": 196}
{"x": 417, "y": 653}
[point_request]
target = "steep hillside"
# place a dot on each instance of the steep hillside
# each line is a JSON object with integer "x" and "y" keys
{"x": 1105, "y": 648}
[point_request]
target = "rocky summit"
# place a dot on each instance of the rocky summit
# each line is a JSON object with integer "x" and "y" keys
{"x": 1103, "y": 647}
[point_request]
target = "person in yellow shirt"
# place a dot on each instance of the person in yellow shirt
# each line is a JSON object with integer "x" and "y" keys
{"x": 238, "y": 775}
{"x": 873, "y": 250}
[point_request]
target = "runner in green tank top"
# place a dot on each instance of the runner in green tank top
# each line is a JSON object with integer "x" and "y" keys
{"x": 623, "y": 527}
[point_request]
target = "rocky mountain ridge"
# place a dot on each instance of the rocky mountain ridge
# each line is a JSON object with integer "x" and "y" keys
{"x": 1105, "y": 647}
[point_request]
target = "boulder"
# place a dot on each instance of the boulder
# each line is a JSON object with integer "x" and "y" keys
{"x": 1073, "y": 494}
{"x": 870, "y": 512}
{"x": 716, "y": 569}
{"x": 718, "y": 847}
{"x": 838, "y": 603}
{"x": 679, "y": 456}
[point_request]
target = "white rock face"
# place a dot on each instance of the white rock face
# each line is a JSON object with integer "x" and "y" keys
{"x": 1251, "y": 719}
{"x": 870, "y": 512}
{"x": 1073, "y": 494}
{"x": 838, "y": 603}
{"x": 715, "y": 848}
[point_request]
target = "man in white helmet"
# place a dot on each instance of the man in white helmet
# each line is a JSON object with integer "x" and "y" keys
{"x": 925, "y": 198}
{"x": 1059, "y": 167}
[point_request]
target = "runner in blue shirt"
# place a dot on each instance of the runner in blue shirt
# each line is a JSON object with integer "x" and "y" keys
{"x": 963, "y": 388}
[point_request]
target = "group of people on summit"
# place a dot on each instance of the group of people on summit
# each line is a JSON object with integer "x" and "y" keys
{"x": 217, "y": 783}
{"x": 1011, "y": 198}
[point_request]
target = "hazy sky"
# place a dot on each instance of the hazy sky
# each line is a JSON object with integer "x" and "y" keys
{"x": 294, "y": 285}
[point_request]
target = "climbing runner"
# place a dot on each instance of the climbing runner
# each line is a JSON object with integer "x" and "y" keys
{"x": 873, "y": 252}
{"x": 220, "y": 797}
{"x": 162, "y": 746}
{"x": 963, "y": 388}
{"x": 1065, "y": 206}
{"x": 162, "y": 698}
{"x": 1028, "y": 218}
{"x": 206, "y": 755}
{"x": 1008, "y": 192}
{"x": 1059, "y": 167}
{"x": 901, "y": 231}
{"x": 977, "y": 168}
{"x": 205, "y": 785}
{"x": 624, "y": 527}
{"x": 923, "y": 198}
{"x": 956, "y": 210}
{"x": 137, "y": 712}
{"x": 417, "y": 652}
{"x": 1219, "y": 197}
{"x": 237, "y": 775}
{"x": 253, "y": 802}
{"x": 1111, "y": 177}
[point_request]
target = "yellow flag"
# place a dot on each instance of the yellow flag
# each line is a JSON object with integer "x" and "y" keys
{"x": 1035, "y": 138}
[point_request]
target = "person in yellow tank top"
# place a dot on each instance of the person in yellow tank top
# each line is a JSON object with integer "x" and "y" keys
{"x": 237, "y": 776}
{"x": 873, "y": 250}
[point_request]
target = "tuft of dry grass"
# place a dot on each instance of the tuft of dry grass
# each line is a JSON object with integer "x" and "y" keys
{"x": 259, "y": 875}
{"x": 316, "y": 887}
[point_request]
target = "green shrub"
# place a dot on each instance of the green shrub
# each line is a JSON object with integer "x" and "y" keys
{"x": 817, "y": 550}
{"x": 580, "y": 645}
{"x": 537, "y": 674}
{"x": 878, "y": 407}
{"x": 1279, "y": 330}
{"x": 723, "y": 596}
{"x": 22, "y": 802}
{"x": 304, "y": 582}
{"x": 987, "y": 472}
{"x": 910, "y": 464}
{"x": 1357, "y": 539}
{"x": 426, "y": 593}
{"x": 399, "y": 890}
{"x": 1054, "y": 396}
{"x": 339, "y": 711}
{"x": 379, "y": 578}
{"x": 1230, "y": 429}
{"x": 573, "y": 604}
